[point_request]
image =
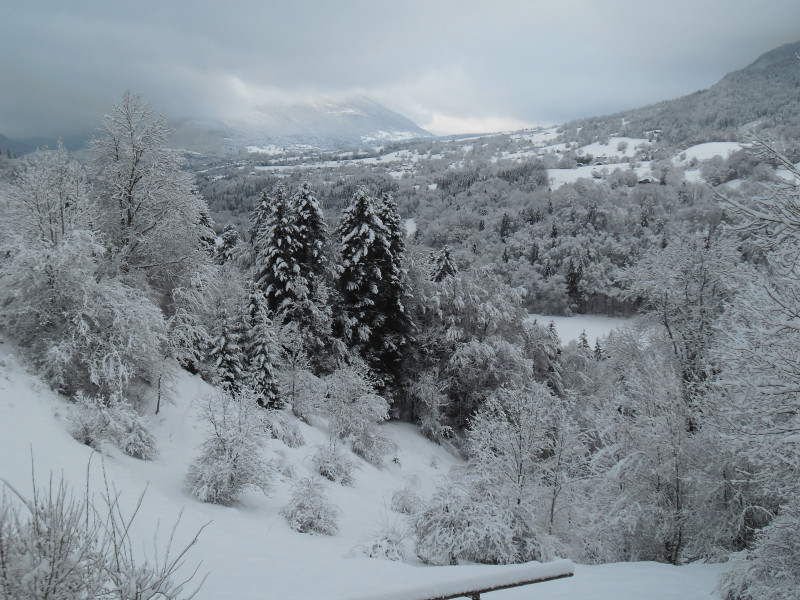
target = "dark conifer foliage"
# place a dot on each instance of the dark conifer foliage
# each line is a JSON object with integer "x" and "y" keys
{"x": 443, "y": 265}
{"x": 371, "y": 281}
{"x": 276, "y": 248}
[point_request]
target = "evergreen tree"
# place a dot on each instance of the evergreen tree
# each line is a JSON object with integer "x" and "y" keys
{"x": 371, "y": 281}
{"x": 276, "y": 249}
{"x": 311, "y": 234}
{"x": 443, "y": 265}
{"x": 262, "y": 353}
{"x": 573, "y": 281}
{"x": 225, "y": 351}
{"x": 224, "y": 251}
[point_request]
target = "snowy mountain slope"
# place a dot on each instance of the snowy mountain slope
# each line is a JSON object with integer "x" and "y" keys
{"x": 321, "y": 124}
{"x": 249, "y": 550}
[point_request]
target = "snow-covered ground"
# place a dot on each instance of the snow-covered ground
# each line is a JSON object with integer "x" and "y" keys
{"x": 249, "y": 550}
{"x": 595, "y": 326}
{"x": 707, "y": 151}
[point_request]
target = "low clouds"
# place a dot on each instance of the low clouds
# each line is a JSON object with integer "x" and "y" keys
{"x": 449, "y": 65}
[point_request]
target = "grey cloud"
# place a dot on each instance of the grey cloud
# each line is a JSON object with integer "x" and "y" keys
{"x": 524, "y": 60}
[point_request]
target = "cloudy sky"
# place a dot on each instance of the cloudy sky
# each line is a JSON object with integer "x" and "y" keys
{"x": 452, "y": 66}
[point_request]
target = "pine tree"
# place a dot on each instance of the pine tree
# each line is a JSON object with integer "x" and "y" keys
{"x": 443, "y": 265}
{"x": 276, "y": 249}
{"x": 371, "y": 281}
{"x": 311, "y": 234}
{"x": 262, "y": 353}
{"x": 224, "y": 251}
{"x": 573, "y": 281}
{"x": 225, "y": 351}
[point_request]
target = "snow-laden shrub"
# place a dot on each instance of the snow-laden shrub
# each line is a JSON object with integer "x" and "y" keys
{"x": 281, "y": 427}
{"x": 330, "y": 462}
{"x": 355, "y": 409}
{"x": 406, "y": 501}
{"x": 386, "y": 544}
{"x": 309, "y": 510}
{"x": 771, "y": 570}
{"x": 303, "y": 390}
{"x": 232, "y": 459}
{"x": 282, "y": 465}
{"x": 54, "y": 545}
{"x": 96, "y": 420}
{"x": 455, "y": 525}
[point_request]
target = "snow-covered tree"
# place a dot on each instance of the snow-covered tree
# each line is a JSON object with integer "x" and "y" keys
{"x": 761, "y": 376}
{"x": 225, "y": 249}
{"x": 443, "y": 265}
{"x": 371, "y": 281}
{"x": 225, "y": 351}
{"x": 276, "y": 248}
{"x": 231, "y": 459}
{"x": 262, "y": 352}
{"x": 149, "y": 210}
{"x": 355, "y": 409}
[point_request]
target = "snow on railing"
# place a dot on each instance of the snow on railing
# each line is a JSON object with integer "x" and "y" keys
{"x": 499, "y": 578}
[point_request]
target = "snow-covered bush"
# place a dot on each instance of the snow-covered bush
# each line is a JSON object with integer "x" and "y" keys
{"x": 386, "y": 544}
{"x": 309, "y": 510}
{"x": 96, "y": 420}
{"x": 232, "y": 459}
{"x": 54, "y": 545}
{"x": 282, "y": 465}
{"x": 330, "y": 462}
{"x": 281, "y": 427}
{"x": 771, "y": 570}
{"x": 406, "y": 501}
{"x": 355, "y": 410}
{"x": 457, "y": 525}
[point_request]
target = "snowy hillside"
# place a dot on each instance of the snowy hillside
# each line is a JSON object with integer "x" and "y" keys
{"x": 248, "y": 550}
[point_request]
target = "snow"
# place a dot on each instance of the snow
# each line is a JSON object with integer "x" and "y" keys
{"x": 595, "y": 326}
{"x": 707, "y": 151}
{"x": 249, "y": 550}
{"x": 491, "y": 578}
{"x": 598, "y": 149}
{"x": 411, "y": 227}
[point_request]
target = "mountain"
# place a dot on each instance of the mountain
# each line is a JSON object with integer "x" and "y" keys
{"x": 321, "y": 124}
{"x": 763, "y": 95}
{"x": 13, "y": 147}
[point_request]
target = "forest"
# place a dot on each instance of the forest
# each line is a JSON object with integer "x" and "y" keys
{"x": 300, "y": 294}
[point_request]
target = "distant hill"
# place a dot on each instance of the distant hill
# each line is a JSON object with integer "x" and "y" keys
{"x": 764, "y": 95}
{"x": 322, "y": 125}
{"x": 13, "y": 147}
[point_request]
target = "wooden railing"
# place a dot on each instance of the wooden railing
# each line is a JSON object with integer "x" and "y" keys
{"x": 494, "y": 579}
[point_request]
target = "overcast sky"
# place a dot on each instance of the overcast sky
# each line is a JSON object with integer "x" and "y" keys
{"x": 452, "y": 66}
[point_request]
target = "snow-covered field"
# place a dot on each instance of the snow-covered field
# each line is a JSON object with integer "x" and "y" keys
{"x": 595, "y": 326}
{"x": 249, "y": 550}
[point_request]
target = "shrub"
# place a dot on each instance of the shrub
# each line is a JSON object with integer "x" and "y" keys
{"x": 96, "y": 420}
{"x": 282, "y": 465}
{"x": 54, "y": 545}
{"x": 232, "y": 459}
{"x": 455, "y": 525}
{"x": 309, "y": 511}
{"x": 387, "y": 544}
{"x": 406, "y": 501}
{"x": 280, "y": 427}
{"x": 330, "y": 462}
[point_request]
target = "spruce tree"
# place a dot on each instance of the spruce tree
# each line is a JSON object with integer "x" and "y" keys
{"x": 371, "y": 281}
{"x": 225, "y": 351}
{"x": 443, "y": 265}
{"x": 275, "y": 250}
{"x": 262, "y": 353}
{"x": 224, "y": 252}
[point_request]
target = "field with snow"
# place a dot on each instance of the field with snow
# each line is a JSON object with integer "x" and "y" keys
{"x": 595, "y": 326}
{"x": 248, "y": 550}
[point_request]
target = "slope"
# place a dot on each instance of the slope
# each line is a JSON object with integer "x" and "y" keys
{"x": 249, "y": 550}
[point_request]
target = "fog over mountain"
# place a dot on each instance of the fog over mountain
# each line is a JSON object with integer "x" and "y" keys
{"x": 325, "y": 124}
